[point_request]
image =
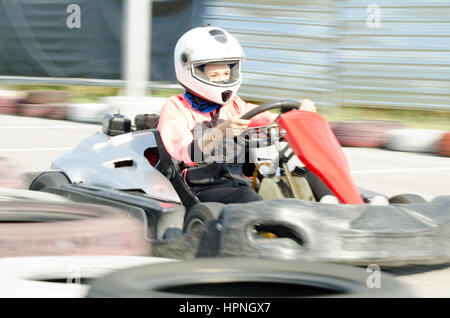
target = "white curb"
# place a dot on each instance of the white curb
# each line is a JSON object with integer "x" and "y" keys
{"x": 414, "y": 140}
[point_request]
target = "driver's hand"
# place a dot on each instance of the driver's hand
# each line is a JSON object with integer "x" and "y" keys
{"x": 235, "y": 126}
{"x": 306, "y": 104}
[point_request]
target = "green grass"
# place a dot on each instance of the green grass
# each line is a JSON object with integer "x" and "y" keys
{"x": 413, "y": 118}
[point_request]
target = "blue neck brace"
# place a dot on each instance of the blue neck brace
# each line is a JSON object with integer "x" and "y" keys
{"x": 199, "y": 104}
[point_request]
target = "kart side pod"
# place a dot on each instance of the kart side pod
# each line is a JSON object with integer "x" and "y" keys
{"x": 312, "y": 140}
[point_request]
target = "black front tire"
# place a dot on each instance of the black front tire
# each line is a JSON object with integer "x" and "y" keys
{"x": 53, "y": 179}
{"x": 200, "y": 214}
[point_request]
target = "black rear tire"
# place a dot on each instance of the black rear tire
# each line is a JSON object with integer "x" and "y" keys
{"x": 53, "y": 179}
{"x": 406, "y": 198}
{"x": 200, "y": 214}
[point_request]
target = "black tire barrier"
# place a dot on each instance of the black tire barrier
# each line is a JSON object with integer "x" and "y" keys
{"x": 33, "y": 110}
{"x": 8, "y": 105}
{"x": 414, "y": 140}
{"x": 363, "y": 133}
{"x": 56, "y": 111}
{"x": 443, "y": 148}
{"x": 45, "y": 229}
{"x": 392, "y": 235}
{"x": 60, "y": 276}
{"x": 243, "y": 278}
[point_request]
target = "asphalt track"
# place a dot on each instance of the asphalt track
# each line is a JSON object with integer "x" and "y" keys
{"x": 31, "y": 144}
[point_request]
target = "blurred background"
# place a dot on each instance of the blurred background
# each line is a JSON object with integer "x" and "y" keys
{"x": 385, "y": 59}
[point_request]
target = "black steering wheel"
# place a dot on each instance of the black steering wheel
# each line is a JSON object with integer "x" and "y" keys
{"x": 257, "y": 137}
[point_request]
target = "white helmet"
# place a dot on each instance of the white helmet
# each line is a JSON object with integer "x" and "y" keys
{"x": 208, "y": 44}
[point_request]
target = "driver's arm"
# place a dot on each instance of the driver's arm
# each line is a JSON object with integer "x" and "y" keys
{"x": 183, "y": 142}
{"x": 209, "y": 140}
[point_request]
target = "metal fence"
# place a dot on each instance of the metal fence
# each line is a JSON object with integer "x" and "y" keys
{"x": 404, "y": 61}
{"x": 376, "y": 53}
{"x": 286, "y": 46}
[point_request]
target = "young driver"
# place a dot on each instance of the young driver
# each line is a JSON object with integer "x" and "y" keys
{"x": 208, "y": 65}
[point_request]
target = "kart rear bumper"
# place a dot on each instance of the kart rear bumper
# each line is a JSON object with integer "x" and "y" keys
{"x": 394, "y": 235}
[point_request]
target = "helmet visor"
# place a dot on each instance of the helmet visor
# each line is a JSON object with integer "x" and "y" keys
{"x": 218, "y": 73}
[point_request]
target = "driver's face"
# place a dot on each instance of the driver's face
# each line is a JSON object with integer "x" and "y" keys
{"x": 217, "y": 72}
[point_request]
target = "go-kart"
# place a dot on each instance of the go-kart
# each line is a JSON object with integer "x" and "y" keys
{"x": 133, "y": 170}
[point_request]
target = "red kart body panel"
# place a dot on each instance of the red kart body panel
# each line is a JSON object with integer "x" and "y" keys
{"x": 312, "y": 140}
